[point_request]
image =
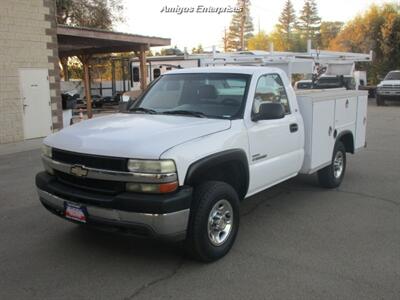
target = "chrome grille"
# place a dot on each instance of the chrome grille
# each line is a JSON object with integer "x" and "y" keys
{"x": 92, "y": 161}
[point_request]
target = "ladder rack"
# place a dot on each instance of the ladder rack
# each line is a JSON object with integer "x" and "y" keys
{"x": 290, "y": 62}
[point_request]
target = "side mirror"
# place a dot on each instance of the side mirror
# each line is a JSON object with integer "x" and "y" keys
{"x": 123, "y": 105}
{"x": 269, "y": 111}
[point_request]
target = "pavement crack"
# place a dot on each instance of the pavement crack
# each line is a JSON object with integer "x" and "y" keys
{"x": 147, "y": 285}
{"x": 369, "y": 196}
{"x": 346, "y": 192}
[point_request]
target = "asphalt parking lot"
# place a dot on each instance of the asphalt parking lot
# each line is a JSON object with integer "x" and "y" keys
{"x": 296, "y": 241}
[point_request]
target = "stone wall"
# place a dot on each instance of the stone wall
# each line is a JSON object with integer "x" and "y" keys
{"x": 28, "y": 39}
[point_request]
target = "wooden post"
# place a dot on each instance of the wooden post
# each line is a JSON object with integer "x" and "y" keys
{"x": 143, "y": 67}
{"x": 85, "y": 59}
{"x": 64, "y": 64}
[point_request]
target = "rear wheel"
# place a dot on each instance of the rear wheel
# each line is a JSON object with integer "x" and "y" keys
{"x": 332, "y": 175}
{"x": 214, "y": 221}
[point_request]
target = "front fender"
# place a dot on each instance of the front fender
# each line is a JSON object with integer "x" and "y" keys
{"x": 188, "y": 153}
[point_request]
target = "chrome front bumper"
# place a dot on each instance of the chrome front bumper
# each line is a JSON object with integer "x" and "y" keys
{"x": 169, "y": 226}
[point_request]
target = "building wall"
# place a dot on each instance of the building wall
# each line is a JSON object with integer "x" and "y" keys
{"x": 28, "y": 39}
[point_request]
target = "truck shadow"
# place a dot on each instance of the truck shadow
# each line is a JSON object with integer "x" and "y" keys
{"x": 125, "y": 246}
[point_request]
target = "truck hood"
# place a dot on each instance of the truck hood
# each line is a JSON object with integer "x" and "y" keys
{"x": 389, "y": 82}
{"x": 133, "y": 135}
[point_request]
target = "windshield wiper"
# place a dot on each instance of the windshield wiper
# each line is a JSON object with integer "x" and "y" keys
{"x": 143, "y": 110}
{"x": 197, "y": 114}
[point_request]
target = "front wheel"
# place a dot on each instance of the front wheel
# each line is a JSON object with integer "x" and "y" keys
{"x": 332, "y": 175}
{"x": 214, "y": 221}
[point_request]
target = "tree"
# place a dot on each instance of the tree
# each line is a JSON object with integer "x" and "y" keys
{"x": 198, "y": 50}
{"x": 171, "y": 51}
{"x": 328, "y": 32}
{"x": 309, "y": 21}
{"x": 259, "y": 42}
{"x": 100, "y": 14}
{"x": 284, "y": 30}
{"x": 241, "y": 27}
{"x": 390, "y": 42}
{"x": 378, "y": 29}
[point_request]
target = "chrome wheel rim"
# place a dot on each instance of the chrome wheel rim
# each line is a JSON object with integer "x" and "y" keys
{"x": 220, "y": 222}
{"x": 338, "y": 164}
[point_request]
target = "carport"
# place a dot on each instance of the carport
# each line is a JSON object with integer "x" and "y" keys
{"x": 86, "y": 42}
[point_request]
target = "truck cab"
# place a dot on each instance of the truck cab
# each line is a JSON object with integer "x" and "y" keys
{"x": 177, "y": 164}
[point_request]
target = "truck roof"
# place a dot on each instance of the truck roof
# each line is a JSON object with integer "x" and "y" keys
{"x": 227, "y": 69}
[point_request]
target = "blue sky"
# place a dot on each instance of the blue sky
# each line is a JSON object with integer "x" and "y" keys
{"x": 187, "y": 30}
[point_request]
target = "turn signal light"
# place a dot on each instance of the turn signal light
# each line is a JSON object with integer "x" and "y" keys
{"x": 156, "y": 188}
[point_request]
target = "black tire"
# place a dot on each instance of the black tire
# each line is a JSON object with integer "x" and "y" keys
{"x": 327, "y": 177}
{"x": 198, "y": 243}
{"x": 380, "y": 101}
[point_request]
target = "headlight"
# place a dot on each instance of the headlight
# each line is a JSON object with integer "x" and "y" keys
{"x": 47, "y": 151}
{"x": 151, "y": 166}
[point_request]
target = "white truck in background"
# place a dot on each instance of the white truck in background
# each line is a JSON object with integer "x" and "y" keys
{"x": 195, "y": 144}
{"x": 388, "y": 88}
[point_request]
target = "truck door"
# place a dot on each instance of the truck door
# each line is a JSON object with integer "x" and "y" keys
{"x": 276, "y": 151}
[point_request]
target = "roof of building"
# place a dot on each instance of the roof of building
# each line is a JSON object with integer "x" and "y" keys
{"x": 82, "y": 41}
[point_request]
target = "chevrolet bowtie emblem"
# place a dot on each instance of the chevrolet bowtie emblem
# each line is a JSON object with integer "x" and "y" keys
{"x": 79, "y": 171}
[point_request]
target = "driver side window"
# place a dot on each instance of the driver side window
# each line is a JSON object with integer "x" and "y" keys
{"x": 270, "y": 89}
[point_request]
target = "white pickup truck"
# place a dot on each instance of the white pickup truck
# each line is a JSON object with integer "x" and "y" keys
{"x": 198, "y": 141}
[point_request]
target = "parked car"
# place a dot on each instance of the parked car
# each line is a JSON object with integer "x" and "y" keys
{"x": 388, "y": 88}
{"x": 97, "y": 101}
{"x": 179, "y": 162}
{"x": 113, "y": 100}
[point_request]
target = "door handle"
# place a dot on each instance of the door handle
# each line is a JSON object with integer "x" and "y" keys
{"x": 294, "y": 127}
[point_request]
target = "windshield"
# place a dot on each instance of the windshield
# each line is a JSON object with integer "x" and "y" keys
{"x": 393, "y": 76}
{"x": 212, "y": 95}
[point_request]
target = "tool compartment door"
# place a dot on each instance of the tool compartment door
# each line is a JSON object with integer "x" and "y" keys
{"x": 322, "y": 141}
{"x": 361, "y": 124}
{"x": 346, "y": 114}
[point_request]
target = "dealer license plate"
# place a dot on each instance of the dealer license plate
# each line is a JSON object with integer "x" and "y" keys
{"x": 75, "y": 212}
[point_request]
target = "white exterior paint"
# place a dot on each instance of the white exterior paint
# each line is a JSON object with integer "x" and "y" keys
{"x": 35, "y": 93}
{"x": 133, "y": 135}
{"x": 188, "y": 139}
{"x": 327, "y": 114}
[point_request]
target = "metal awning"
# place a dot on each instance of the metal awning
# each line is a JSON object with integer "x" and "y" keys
{"x": 85, "y": 42}
{"x": 73, "y": 41}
